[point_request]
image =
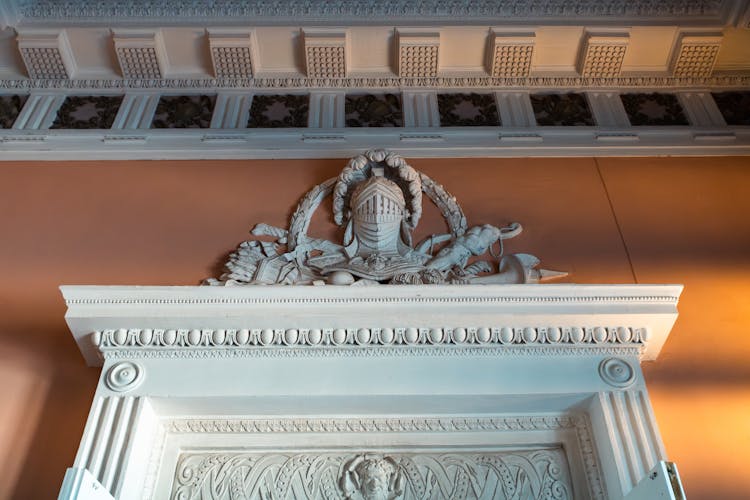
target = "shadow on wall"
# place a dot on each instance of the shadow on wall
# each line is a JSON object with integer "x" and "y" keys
{"x": 26, "y": 383}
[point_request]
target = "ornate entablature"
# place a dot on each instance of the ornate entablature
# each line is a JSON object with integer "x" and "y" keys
{"x": 377, "y": 198}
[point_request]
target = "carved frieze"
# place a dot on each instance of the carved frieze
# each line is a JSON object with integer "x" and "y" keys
{"x": 529, "y": 474}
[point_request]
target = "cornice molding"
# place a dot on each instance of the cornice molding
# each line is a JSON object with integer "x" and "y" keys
{"x": 295, "y": 82}
{"x": 275, "y": 321}
{"x": 404, "y": 11}
{"x": 427, "y": 423}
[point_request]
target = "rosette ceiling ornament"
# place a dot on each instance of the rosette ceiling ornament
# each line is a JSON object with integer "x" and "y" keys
{"x": 377, "y": 199}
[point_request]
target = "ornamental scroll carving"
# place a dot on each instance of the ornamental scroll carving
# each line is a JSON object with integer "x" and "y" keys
{"x": 534, "y": 474}
{"x": 377, "y": 200}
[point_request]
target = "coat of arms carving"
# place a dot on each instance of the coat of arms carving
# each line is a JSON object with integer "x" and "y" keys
{"x": 377, "y": 199}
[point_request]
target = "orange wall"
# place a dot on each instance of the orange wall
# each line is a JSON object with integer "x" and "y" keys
{"x": 609, "y": 220}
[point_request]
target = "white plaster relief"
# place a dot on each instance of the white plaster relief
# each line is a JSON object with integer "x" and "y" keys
{"x": 231, "y": 111}
{"x": 455, "y": 429}
{"x": 535, "y": 474}
{"x": 515, "y": 109}
{"x": 608, "y": 109}
{"x": 124, "y": 376}
{"x": 136, "y": 111}
{"x": 420, "y": 109}
{"x": 327, "y": 109}
{"x": 379, "y": 215}
{"x": 701, "y": 109}
{"x": 440, "y": 82}
{"x": 428, "y": 423}
{"x": 108, "y": 435}
{"x": 38, "y": 112}
{"x": 624, "y": 421}
{"x": 412, "y": 336}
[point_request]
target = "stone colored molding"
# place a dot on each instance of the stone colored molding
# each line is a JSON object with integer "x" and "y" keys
{"x": 704, "y": 12}
{"x": 695, "y": 54}
{"x": 139, "y": 53}
{"x": 325, "y": 53}
{"x": 602, "y": 54}
{"x": 418, "y": 53}
{"x": 47, "y": 54}
{"x": 509, "y": 54}
{"x": 233, "y": 52}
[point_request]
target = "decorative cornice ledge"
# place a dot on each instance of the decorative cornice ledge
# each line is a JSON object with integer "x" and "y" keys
{"x": 325, "y": 321}
{"x": 322, "y": 11}
{"x": 296, "y": 82}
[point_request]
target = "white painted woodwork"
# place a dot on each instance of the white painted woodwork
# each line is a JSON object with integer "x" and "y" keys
{"x": 231, "y": 110}
{"x": 420, "y": 109}
{"x": 515, "y": 109}
{"x": 136, "y": 111}
{"x": 39, "y": 112}
{"x": 187, "y": 369}
{"x": 608, "y": 110}
{"x": 327, "y": 109}
{"x": 701, "y": 109}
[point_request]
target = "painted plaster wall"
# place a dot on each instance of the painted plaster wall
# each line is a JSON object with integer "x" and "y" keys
{"x": 609, "y": 220}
